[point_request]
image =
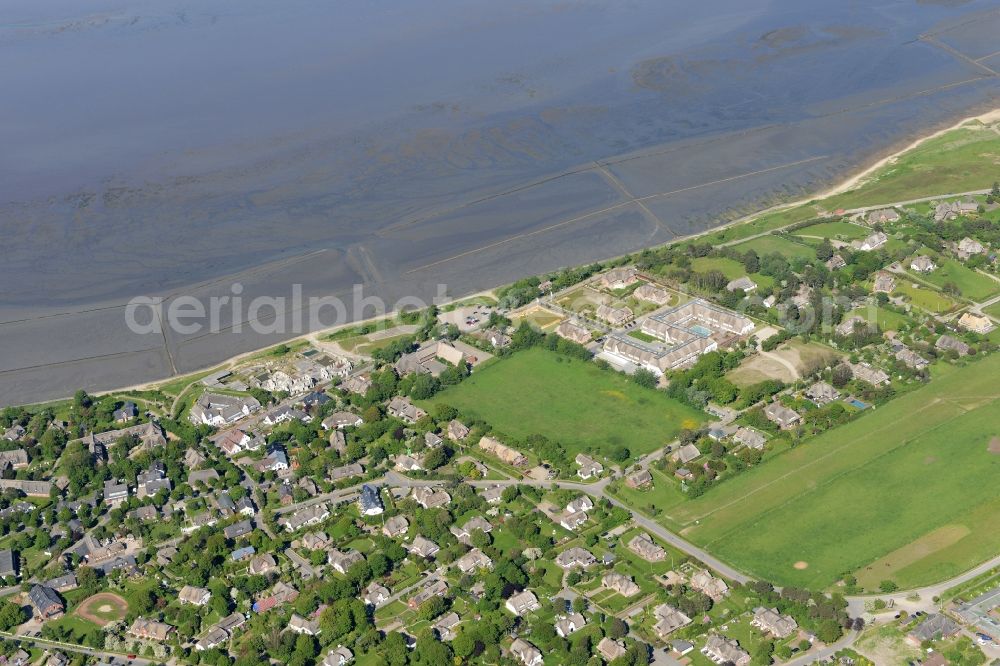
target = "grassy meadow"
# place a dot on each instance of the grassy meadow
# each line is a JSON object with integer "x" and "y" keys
{"x": 834, "y": 230}
{"x": 905, "y": 492}
{"x": 952, "y": 162}
{"x": 731, "y": 268}
{"x": 777, "y": 244}
{"x": 761, "y": 224}
{"x": 570, "y": 401}
{"x": 972, "y": 285}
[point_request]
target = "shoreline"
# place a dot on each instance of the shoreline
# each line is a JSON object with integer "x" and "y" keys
{"x": 849, "y": 183}
{"x": 854, "y": 180}
{"x": 992, "y": 115}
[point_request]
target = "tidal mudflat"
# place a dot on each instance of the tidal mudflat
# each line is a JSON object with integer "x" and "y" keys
{"x": 173, "y": 148}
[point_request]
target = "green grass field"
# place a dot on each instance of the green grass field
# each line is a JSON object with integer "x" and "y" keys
{"x": 644, "y": 337}
{"x": 993, "y": 310}
{"x": 363, "y": 344}
{"x": 771, "y": 244}
{"x": 541, "y": 318}
{"x": 841, "y": 230}
{"x": 922, "y": 297}
{"x": 663, "y": 494}
{"x": 570, "y": 401}
{"x": 952, "y": 162}
{"x": 887, "y": 320}
{"x": 767, "y": 222}
{"x": 731, "y": 268}
{"x": 906, "y": 492}
{"x": 973, "y": 285}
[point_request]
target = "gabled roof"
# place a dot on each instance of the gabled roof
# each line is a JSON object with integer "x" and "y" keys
{"x": 43, "y": 597}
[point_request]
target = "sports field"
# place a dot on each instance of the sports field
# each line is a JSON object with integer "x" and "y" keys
{"x": 102, "y": 608}
{"x": 569, "y": 401}
{"x": 906, "y": 492}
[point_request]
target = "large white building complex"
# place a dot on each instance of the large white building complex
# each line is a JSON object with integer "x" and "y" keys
{"x": 683, "y": 334}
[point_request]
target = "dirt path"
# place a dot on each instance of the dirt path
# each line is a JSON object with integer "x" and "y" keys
{"x": 781, "y": 360}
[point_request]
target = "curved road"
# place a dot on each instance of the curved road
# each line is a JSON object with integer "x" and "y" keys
{"x": 921, "y": 599}
{"x": 598, "y": 490}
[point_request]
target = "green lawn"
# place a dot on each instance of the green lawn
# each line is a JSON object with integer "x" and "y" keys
{"x": 363, "y": 344}
{"x": 570, "y": 401}
{"x": 731, "y": 268}
{"x": 993, "y": 310}
{"x": 77, "y": 630}
{"x": 908, "y": 488}
{"x": 541, "y": 318}
{"x": 922, "y": 297}
{"x": 783, "y": 246}
{"x": 644, "y": 337}
{"x": 482, "y": 299}
{"x": 887, "y": 320}
{"x": 973, "y": 285}
{"x": 841, "y": 230}
{"x": 663, "y": 494}
{"x": 642, "y": 571}
{"x": 952, "y": 162}
{"x": 767, "y": 222}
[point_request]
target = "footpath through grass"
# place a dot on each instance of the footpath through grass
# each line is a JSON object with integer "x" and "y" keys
{"x": 910, "y": 487}
{"x": 838, "y": 229}
{"x": 570, "y": 401}
{"x": 972, "y": 285}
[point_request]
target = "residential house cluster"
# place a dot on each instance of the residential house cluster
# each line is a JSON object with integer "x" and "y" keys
{"x": 218, "y": 409}
{"x": 500, "y": 450}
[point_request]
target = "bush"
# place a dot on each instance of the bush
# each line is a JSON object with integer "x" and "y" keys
{"x": 888, "y": 586}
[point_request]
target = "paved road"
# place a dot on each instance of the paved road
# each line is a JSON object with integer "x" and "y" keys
{"x": 909, "y": 202}
{"x": 922, "y": 598}
{"x": 598, "y": 490}
{"x": 305, "y": 568}
{"x": 349, "y": 493}
{"x": 979, "y": 307}
{"x": 119, "y": 657}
